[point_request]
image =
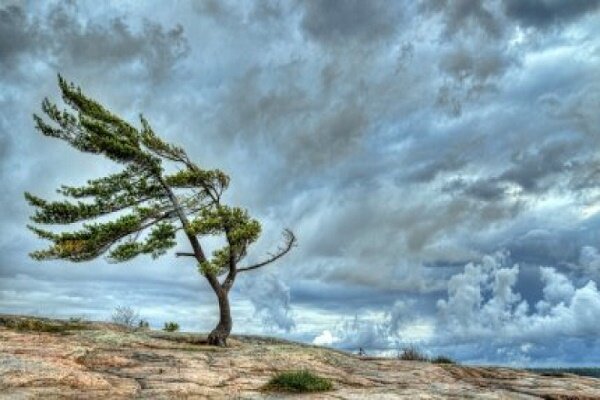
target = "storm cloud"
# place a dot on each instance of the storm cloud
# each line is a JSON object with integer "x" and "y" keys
{"x": 436, "y": 160}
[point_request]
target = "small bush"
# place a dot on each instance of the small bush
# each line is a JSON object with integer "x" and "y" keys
{"x": 126, "y": 316}
{"x": 171, "y": 326}
{"x": 143, "y": 324}
{"x": 412, "y": 353}
{"x": 298, "y": 381}
{"x": 442, "y": 360}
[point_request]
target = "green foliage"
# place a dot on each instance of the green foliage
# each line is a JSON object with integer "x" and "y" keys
{"x": 233, "y": 222}
{"x": 442, "y": 360}
{"x": 159, "y": 146}
{"x": 211, "y": 181}
{"x": 299, "y": 381}
{"x": 160, "y": 239}
{"x": 140, "y": 193}
{"x": 89, "y": 242}
{"x": 171, "y": 326}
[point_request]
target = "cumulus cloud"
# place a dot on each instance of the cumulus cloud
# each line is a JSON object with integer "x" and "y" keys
{"x": 326, "y": 338}
{"x": 589, "y": 260}
{"x": 484, "y": 307}
{"x": 360, "y": 332}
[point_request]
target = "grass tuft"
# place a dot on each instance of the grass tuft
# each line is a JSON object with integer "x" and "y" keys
{"x": 299, "y": 381}
{"x": 442, "y": 360}
{"x": 412, "y": 353}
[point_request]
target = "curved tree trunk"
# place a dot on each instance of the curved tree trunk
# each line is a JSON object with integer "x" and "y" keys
{"x": 219, "y": 335}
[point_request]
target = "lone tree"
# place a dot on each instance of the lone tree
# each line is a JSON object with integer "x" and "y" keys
{"x": 140, "y": 209}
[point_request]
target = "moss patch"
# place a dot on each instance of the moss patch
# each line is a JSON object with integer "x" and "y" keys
{"x": 299, "y": 382}
{"x": 41, "y": 325}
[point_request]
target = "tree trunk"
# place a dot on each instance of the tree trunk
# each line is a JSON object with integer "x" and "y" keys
{"x": 219, "y": 335}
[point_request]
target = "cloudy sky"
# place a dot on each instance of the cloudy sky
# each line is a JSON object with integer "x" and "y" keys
{"x": 438, "y": 160}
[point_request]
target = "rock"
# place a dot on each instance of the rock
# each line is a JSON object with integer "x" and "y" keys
{"x": 96, "y": 360}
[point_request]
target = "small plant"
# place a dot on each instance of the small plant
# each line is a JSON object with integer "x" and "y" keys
{"x": 298, "y": 381}
{"x": 442, "y": 360}
{"x": 126, "y": 316}
{"x": 412, "y": 353}
{"x": 171, "y": 326}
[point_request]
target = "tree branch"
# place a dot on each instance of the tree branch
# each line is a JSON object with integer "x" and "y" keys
{"x": 184, "y": 254}
{"x": 198, "y": 252}
{"x": 184, "y": 221}
{"x": 228, "y": 282}
{"x": 290, "y": 242}
{"x": 156, "y": 220}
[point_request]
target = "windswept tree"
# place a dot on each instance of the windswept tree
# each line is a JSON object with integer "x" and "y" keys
{"x": 140, "y": 209}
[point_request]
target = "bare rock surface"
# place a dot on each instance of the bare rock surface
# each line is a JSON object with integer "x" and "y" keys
{"x": 54, "y": 359}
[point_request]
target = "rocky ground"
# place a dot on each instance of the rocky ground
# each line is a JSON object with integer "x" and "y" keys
{"x": 84, "y": 360}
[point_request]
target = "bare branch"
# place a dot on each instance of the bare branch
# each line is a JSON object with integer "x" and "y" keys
{"x": 184, "y": 254}
{"x": 290, "y": 242}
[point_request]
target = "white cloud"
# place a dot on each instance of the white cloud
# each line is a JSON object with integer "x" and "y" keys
{"x": 483, "y": 307}
{"x": 326, "y": 338}
{"x": 271, "y": 300}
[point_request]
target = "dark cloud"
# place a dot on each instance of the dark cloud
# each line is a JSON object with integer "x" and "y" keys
{"x": 482, "y": 189}
{"x": 535, "y": 170}
{"x": 17, "y": 35}
{"x": 63, "y": 40}
{"x": 429, "y": 169}
{"x": 545, "y": 13}
{"x": 464, "y": 15}
{"x": 477, "y": 64}
{"x": 531, "y": 168}
{"x": 365, "y": 21}
{"x": 267, "y": 10}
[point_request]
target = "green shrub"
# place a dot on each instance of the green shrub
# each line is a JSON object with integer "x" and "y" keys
{"x": 298, "y": 381}
{"x": 412, "y": 353}
{"x": 171, "y": 326}
{"x": 143, "y": 324}
{"x": 442, "y": 360}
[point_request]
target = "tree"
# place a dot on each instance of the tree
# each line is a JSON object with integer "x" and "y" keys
{"x": 140, "y": 209}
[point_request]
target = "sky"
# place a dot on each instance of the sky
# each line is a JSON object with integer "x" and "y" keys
{"x": 437, "y": 160}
